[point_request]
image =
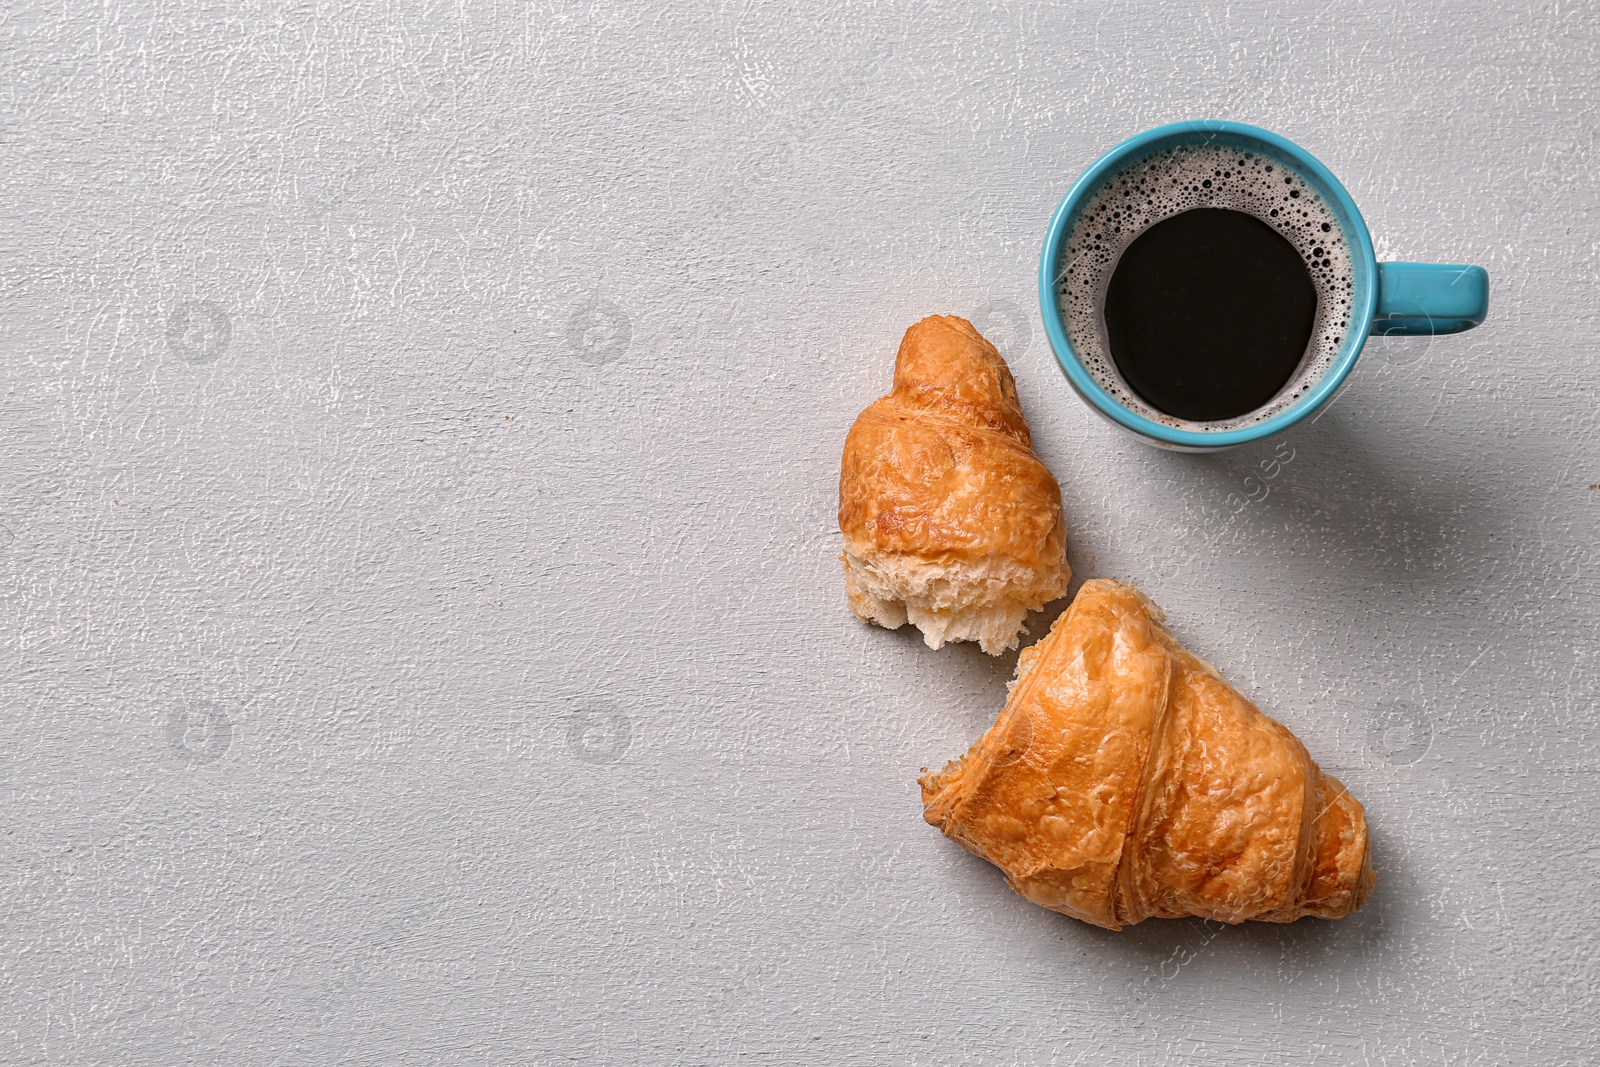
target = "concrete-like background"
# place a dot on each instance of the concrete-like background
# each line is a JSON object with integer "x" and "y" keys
{"x": 422, "y": 636}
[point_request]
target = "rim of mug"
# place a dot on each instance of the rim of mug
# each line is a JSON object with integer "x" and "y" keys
{"x": 1364, "y": 297}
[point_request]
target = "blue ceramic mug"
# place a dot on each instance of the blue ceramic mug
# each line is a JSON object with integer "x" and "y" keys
{"x": 1387, "y": 298}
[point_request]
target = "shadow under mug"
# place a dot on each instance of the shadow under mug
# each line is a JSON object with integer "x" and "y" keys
{"x": 1388, "y": 298}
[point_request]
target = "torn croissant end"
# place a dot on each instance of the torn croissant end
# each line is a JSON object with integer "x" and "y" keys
{"x": 950, "y": 521}
{"x": 1126, "y": 779}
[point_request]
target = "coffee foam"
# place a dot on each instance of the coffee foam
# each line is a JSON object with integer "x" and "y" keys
{"x": 1178, "y": 179}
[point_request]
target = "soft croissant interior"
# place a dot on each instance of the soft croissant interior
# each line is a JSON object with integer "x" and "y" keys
{"x": 1126, "y": 779}
{"x": 950, "y": 520}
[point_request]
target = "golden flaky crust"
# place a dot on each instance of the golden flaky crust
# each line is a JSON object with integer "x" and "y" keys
{"x": 1126, "y": 779}
{"x": 949, "y": 519}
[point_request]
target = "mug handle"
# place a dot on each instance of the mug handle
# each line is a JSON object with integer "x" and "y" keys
{"x": 1418, "y": 299}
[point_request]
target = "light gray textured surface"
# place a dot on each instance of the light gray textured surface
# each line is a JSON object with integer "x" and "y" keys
{"x": 423, "y": 638}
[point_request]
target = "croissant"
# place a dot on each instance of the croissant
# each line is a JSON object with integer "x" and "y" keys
{"x": 949, "y": 519}
{"x": 1126, "y": 779}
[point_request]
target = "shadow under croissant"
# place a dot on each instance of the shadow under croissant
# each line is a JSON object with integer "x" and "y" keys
{"x": 1155, "y": 952}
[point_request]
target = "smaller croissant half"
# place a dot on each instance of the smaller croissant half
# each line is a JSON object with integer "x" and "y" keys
{"x": 1125, "y": 779}
{"x": 949, "y": 519}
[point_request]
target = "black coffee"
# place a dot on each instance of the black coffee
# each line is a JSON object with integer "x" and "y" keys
{"x": 1208, "y": 314}
{"x": 1183, "y": 287}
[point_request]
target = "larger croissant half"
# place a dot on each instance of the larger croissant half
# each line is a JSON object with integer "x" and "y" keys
{"x": 949, "y": 519}
{"x": 1126, "y": 779}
